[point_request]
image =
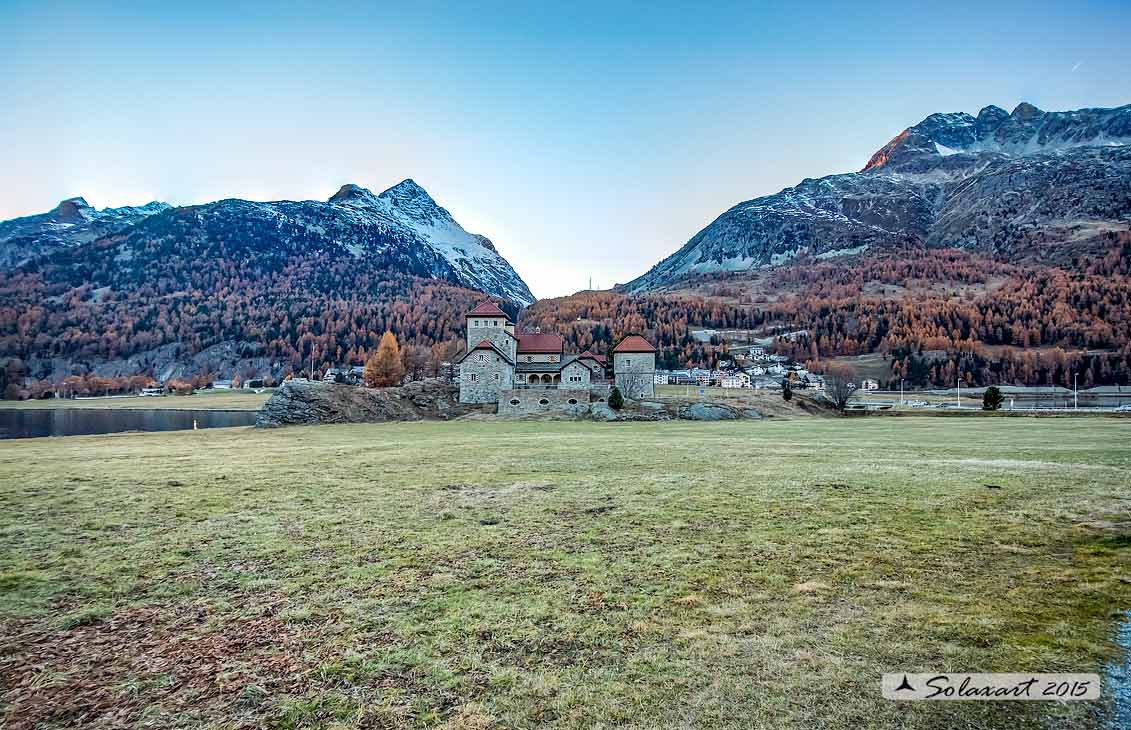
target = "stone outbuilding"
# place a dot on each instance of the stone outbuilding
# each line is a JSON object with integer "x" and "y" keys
{"x": 634, "y": 367}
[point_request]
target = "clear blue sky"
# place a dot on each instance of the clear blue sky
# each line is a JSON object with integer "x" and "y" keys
{"x": 586, "y": 139}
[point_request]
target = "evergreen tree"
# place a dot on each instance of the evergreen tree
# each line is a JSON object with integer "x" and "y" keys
{"x": 992, "y": 398}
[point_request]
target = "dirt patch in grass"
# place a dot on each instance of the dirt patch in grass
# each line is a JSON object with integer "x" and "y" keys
{"x": 149, "y": 663}
{"x": 517, "y": 489}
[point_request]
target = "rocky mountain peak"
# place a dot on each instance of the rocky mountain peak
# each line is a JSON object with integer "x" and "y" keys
{"x": 407, "y": 190}
{"x": 351, "y": 193}
{"x": 1025, "y": 110}
{"x": 73, "y": 210}
{"x": 990, "y": 118}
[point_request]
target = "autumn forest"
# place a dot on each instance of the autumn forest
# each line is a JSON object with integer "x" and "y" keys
{"x": 935, "y": 315}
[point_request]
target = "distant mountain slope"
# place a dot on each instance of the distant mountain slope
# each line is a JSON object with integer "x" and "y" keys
{"x": 402, "y": 229}
{"x": 240, "y": 287}
{"x": 1022, "y": 184}
{"x": 71, "y": 223}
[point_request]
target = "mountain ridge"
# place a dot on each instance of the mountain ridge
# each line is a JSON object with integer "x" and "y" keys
{"x": 403, "y": 227}
{"x": 1007, "y": 184}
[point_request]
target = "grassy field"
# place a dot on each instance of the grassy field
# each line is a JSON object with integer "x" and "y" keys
{"x": 234, "y": 400}
{"x": 576, "y": 575}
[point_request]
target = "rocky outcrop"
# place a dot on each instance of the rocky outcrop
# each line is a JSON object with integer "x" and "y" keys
{"x": 708, "y": 412}
{"x": 307, "y": 402}
{"x": 602, "y": 412}
{"x": 652, "y": 411}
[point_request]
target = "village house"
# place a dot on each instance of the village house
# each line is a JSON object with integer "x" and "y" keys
{"x": 735, "y": 380}
{"x": 529, "y": 371}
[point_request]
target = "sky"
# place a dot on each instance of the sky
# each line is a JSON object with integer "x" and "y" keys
{"x": 587, "y": 140}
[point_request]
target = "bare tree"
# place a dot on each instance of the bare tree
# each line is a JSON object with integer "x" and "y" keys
{"x": 840, "y": 384}
{"x": 444, "y": 355}
{"x": 415, "y": 358}
{"x": 634, "y": 385}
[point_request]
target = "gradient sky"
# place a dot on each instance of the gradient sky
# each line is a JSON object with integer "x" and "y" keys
{"x": 585, "y": 139}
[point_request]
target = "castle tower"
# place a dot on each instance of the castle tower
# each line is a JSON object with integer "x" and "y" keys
{"x": 634, "y": 367}
{"x": 488, "y": 322}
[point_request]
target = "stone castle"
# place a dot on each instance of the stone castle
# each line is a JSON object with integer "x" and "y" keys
{"x": 531, "y": 371}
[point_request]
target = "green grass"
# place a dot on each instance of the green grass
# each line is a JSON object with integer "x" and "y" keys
{"x": 492, "y": 574}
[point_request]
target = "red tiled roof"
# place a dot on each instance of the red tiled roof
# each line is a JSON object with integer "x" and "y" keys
{"x": 486, "y": 309}
{"x": 533, "y": 342}
{"x": 634, "y": 343}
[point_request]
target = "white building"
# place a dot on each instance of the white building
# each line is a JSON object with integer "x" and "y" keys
{"x": 735, "y": 380}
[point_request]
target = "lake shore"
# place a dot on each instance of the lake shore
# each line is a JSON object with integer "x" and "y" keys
{"x": 224, "y": 400}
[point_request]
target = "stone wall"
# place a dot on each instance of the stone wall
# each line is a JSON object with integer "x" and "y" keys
{"x": 480, "y": 380}
{"x": 525, "y": 402}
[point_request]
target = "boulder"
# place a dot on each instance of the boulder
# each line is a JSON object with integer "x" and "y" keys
{"x": 707, "y": 412}
{"x": 602, "y": 412}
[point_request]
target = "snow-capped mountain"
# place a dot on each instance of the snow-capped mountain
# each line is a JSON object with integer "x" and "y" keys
{"x": 70, "y": 223}
{"x": 412, "y": 216}
{"x": 402, "y": 229}
{"x": 1015, "y": 184}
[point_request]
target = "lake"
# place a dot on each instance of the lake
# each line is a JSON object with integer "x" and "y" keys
{"x": 32, "y": 422}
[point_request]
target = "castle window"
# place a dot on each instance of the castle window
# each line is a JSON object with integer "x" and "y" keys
{"x": 482, "y": 357}
{"x": 476, "y": 323}
{"x": 543, "y": 402}
{"x": 474, "y": 378}
{"x": 514, "y": 401}
{"x": 496, "y": 377}
{"x": 572, "y": 401}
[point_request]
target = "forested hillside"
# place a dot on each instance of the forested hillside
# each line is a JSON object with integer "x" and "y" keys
{"x": 936, "y": 314}
{"x": 255, "y": 315}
